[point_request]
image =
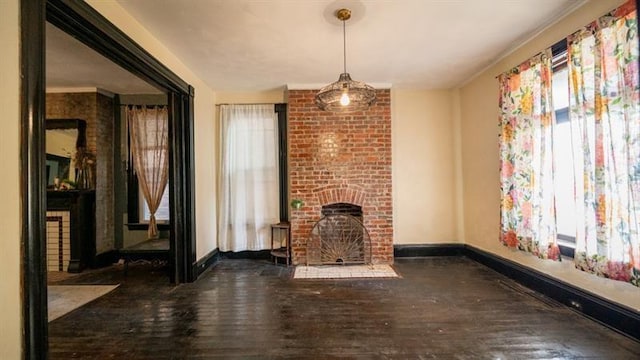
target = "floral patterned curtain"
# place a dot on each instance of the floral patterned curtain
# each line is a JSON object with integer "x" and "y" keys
{"x": 527, "y": 211}
{"x": 605, "y": 125}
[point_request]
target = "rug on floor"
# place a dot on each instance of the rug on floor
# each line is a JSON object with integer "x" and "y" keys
{"x": 344, "y": 272}
{"x": 62, "y": 299}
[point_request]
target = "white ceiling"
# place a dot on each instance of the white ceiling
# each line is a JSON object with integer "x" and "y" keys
{"x": 74, "y": 67}
{"x": 249, "y": 45}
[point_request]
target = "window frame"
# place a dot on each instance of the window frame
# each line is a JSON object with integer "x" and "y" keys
{"x": 134, "y": 222}
{"x": 142, "y": 204}
{"x": 133, "y": 197}
{"x": 283, "y": 169}
{"x": 566, "y": 243}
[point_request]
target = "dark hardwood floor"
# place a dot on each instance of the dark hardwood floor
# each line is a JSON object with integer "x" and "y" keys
{"x": 441, "y": 308}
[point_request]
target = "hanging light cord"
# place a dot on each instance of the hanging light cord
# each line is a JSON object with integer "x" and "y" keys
{"x": 344, "y": 45}
{"x": 345, "y": 95}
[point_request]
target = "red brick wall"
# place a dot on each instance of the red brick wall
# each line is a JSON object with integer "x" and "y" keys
{"x": 97, "y": 110}
{"x": 76, "y": 106}
{"x": 340, "y": 158}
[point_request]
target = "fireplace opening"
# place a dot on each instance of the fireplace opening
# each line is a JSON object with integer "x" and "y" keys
{"x": 339, "y": 237}
{"x": 342, "y": 209}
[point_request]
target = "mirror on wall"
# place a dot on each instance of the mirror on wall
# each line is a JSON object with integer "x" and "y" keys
{"x": 63, "y": 139}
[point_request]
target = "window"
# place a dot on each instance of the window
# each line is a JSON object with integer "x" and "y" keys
{"x": 137, "y": 209}
{"x": 162, "y": 214}
{"x": 593, "y": 144}
{"x": 249, "y": 176}
{"x": 563, "y": 158}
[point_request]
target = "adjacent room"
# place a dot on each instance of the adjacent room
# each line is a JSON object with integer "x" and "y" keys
{"x": 327, "y": 179}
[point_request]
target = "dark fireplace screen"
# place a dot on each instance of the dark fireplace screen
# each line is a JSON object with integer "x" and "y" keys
{"x": 339, "y": 237}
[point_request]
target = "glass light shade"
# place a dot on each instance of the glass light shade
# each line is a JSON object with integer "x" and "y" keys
{"x": 361, "y": 96}
{"x": 344, "y": 99}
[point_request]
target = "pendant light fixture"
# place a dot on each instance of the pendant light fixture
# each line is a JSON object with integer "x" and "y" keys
{"x": 345, "y": 95}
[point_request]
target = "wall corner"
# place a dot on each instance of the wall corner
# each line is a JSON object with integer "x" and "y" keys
{"x": 456, "y": 117}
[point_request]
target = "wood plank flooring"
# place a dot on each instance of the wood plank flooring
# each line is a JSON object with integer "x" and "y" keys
{"x": 441, "y": 308}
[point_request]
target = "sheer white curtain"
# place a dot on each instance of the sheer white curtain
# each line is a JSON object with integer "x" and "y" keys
{"x": 248, "y": 202}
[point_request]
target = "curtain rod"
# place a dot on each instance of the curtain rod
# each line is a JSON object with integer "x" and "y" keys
{"x": 516, "y": 69}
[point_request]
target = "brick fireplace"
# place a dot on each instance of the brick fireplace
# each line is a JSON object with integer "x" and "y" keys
{"x": 340, "y": 158}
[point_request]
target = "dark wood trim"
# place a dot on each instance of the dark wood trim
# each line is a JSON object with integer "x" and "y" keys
{"x": 94, "y": 30}
{"x": 149, "y": 255}
{"x": 207, "y": 261}
{"x": 188, "y": 169}
{"x": 133, "y": 206}
{"x": 175, "y": 190}
{"x": 610, "y": 314}
{"x": 248, "y": 254}
{"x": 79, "y": 124}
{"x": 613, "y": 315}
{"x": 559, "y": 47}
{"x": 87, "y": 25}
{"x": 420, "y": 250}
{"x": 281, "y": 110}
{"x": 33, "y": 183}
{"x": 81, "y": 21}
{"x": 145, "y": 226}
{"x": 181, "y": 191}
{"x": 65, "y": 124}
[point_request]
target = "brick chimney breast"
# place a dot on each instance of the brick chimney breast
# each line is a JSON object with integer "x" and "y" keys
{"x": 341, "y": 158}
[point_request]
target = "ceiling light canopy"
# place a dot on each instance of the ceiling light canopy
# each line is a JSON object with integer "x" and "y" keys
{"x": 345, "y": 95}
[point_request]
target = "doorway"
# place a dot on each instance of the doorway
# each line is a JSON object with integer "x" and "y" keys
{"x": 85, "y": 24}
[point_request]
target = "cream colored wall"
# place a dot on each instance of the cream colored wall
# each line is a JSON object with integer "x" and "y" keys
{"x": 478, "y": 100}
{"x": 424, "y": 161}
{"x": 204, "y": 139}
{"x": 258, "y": 97}
{"x": 424, "y": 167}
{"x": 10, "y": 223}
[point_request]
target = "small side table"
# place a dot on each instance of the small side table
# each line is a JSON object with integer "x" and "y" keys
{"x": 280, "y": 248}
